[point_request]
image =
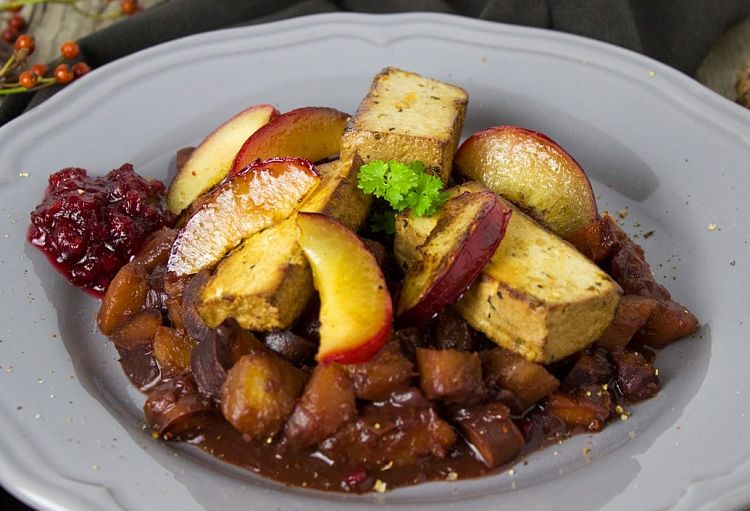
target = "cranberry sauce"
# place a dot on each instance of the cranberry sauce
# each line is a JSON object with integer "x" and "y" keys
{"x": 90, "y": 227}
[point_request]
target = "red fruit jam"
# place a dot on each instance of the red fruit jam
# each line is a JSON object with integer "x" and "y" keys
{"x": 90, "y": 227}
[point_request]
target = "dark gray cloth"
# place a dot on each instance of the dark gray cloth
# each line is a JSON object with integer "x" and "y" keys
{"x": 678, "y": 33}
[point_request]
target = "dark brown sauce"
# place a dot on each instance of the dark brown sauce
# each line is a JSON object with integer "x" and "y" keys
{"x": 311, "y": 468}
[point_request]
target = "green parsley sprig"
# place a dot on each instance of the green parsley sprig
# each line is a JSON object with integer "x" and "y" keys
{"x": 402, "y": 186}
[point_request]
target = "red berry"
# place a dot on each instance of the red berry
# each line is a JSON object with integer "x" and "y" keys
{"x": 10, "y": 35}
{"x": 25, "y": 42}
{"x": 28, "y": 79}
{"x": 40, "y": 69}
{"x": 63, "y": 74}
{"x": 128, "y": 6}
{"x": 70, "y": 50}
{"x": 17, "y": 22}
{"x": 79, "y": 69}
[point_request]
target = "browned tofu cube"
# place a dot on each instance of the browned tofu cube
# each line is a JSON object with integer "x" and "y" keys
{"x": 407, "y": 117}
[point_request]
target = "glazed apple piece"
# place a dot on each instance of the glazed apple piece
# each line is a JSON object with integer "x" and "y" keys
{"x": 260, "y": 195}
{"x": 210, "y": 162}
{"x": 533, "y": 172}
{"x": 468, "y": 231}
{"x": 355, "y": 306}
{"x": 313, "y": 133}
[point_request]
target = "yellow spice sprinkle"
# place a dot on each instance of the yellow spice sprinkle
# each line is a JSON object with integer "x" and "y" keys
{"x": 651, "y": 73}
{"x": 379, "y": 486}
{"x": 712, "y": 227}
{"x": 623, "y": 416}
{"x": 387, "y": 466}
{"x": 452, "y": 476}
{"x": 23, "y": 174}
{"x": 623, "y": 213}
{"x": 656, "y": 371}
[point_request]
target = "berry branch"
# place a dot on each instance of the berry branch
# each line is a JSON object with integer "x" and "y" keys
{"x": 15, "y": 74}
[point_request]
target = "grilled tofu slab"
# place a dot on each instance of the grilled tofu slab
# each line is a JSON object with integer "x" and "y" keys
{"x": 407, "y": 117}
{"x": 538, "y": 296}
{"x": 266, "y": 282}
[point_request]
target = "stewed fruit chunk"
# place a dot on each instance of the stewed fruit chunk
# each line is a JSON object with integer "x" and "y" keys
{"x": 450, "y": 375}
{"x": 217, "y": 353}
{"x": 125, "y": 295}
{"x": 172, "y": 349}
{"x": 631, "y": 314}
{"x": 327, "y": 403}
{"x": 491, "y": 431}
{"x": 530, "y": 170}
{"x": 636, "y": 377}
{"x": 175, "y": 410}
{"x": 313, "y": 133}
{"x": 355, "y": 305}
{"x": 596, "y": 240}
{"x": 256, "y": 197}
{"x": 529, "y": 381}
{"x": 260, "y": 392}
{"x": 452, "y": 332}
{"x": 591, "y": 368}
{"x": 589, "y": 408}
{"x": 386, "y": 372}
{"x": 210, "y": 162}
{"x": 669, "y": 321}
{"x": 137, "y": 329}
{"x": 191, "y": 319}
{"x": 399, "y": 431}
{"x": 155, "y": 250}
{"x": 467, "y": 233}
{"x": 297, "y": 350}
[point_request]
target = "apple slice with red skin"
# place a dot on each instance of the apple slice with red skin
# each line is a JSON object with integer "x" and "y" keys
{"x": 260, "y": 195}
{"x": 533, "y": 172}
{"x": 312, "y": 133}
{"x": 469, "y": 229}
{"x": 355, "y": 306}
{"x": 210, "y": 162}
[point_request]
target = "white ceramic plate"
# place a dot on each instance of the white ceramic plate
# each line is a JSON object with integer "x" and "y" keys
{"x": 652, "y": 140}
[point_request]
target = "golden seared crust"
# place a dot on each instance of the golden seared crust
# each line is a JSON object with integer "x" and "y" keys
{"x": 266, "y": 282}
{"x": 407, "y": 117}
{"x": 537, "y": 296}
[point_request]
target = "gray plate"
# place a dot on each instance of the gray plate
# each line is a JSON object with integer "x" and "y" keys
{"x": 652, "y": 140}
